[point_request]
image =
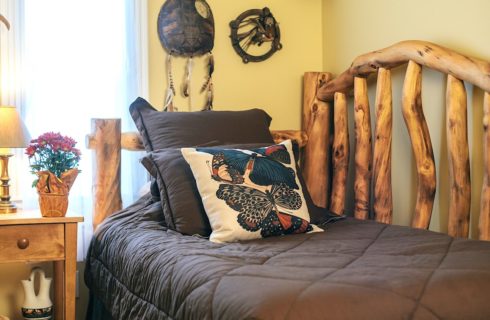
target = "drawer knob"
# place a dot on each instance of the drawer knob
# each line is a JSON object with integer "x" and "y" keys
{"x": 23, "y": 243}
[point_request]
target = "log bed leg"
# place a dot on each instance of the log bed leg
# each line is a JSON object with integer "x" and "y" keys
{"x": 363, "y": 152}
{"x": 484, "y": 223}
{"x": 316, "y": 124}
{"x": 459, "y": 158}
{"x": 383, "y": 200}
{"x": 340, "y": 154}
{"x": 413, "y": 115}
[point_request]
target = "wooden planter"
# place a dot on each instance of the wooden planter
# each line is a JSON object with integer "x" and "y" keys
{"x": 53, "y": 205}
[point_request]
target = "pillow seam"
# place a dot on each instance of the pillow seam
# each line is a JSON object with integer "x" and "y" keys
{"x": 145, "y": 130}
{"x": 167, "y": 200}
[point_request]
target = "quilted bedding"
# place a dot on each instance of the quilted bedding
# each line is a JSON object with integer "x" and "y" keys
{"x": 355, "y": 270}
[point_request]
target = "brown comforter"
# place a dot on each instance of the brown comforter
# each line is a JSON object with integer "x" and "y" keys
{"x": 354, "y": 270}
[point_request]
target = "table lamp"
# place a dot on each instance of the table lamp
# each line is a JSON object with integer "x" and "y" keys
{"x": 13, "y": 134}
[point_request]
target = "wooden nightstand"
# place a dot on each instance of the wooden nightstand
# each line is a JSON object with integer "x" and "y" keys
{"x": 28, "y": 237}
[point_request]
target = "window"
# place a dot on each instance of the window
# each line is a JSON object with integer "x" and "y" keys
{"x": 79, "y": 60}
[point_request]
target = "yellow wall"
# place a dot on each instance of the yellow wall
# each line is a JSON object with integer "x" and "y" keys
{"x": 314, "y": 40}
{"x": 353, "y": 27}
{"x": 274, "y": 85}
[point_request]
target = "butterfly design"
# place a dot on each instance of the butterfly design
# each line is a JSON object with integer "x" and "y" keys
{"x": 264, "y": 211}
{"x": 220, "y": 171}
{"x": 277, "y": 152}
{"x": 260, "y": 169}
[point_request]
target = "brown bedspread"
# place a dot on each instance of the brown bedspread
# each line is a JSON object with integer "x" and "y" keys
{"x": 354, "y": 270}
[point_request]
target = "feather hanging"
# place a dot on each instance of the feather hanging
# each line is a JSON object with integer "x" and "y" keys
{"x": 209, "y": 98}
{"x": 169, "y": 105}
{"x": 209, "y": 74}
{"x": 187, "y": 81}
{"x": 170, "y": 93}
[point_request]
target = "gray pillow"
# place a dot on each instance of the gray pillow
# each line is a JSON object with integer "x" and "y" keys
{"x": 188, "y": 129}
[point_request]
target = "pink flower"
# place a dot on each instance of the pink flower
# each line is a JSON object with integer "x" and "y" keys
{"x": 53, "y": 152}
{"x": 31, "y": 150}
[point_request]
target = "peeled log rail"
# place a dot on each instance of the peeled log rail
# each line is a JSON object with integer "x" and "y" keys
{"x": 425, "y": 53}
{"x": 340, "y": 154}
{"x": 484, "y": 223}
{"x": 316, "y": 124}
{"x": 459, "y": 158}
{"x": 363, "y": 151}
{"x": 132, "y": 140}
{"x": 383, "y": 199}
{"x": 297, "y": 136}
{"x": 421, "y": 145}
{"x": 106, "y": 140}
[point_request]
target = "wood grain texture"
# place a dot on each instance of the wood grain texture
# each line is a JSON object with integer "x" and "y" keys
{"x": 34, "y": 217}
{"x": 425, "y": 53}
{"x": 459, "y": 158}
{"x": 38, "y": 237}
{"x": 340, "y": 154}
{"x": 70, "y": 269}
{"x": 383, "y": 199}
{"x": 363, "y": 151}
{"x": 298, "y": 136}
{"x": 484, "y": 223}
{"x": 316, "y": 124}
{"x": 59, "y": 289}
{"x": 413, "y": 115}
{"x": 132, "y": 141}
{"x": 107, "y": 168}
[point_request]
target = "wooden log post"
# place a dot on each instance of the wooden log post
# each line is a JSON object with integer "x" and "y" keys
{"x": 340, "y": 154}
{"x": 383, "y": 199}
{"x": 459, "y": 158}
{"x": 363, "y": 151}
{"x": 316, "y": 124}
{"x": 106, "y": 141}
{"x": 484, "y": 223}
{"x": 421, "y": 145}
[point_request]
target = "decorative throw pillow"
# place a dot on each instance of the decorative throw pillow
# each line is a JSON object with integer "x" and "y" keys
{"x": 187, "y": 129}
{"x": 181, "y": 202}
{"x": 249, "y": 194}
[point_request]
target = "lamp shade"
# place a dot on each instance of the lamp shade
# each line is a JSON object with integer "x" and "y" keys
{"x": 13, "y": 132}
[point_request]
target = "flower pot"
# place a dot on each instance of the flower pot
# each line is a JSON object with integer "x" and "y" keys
{"x": 53, "y": 205}
{"x": 53, "y": 192}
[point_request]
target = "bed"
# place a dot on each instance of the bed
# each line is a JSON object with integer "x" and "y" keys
{"x": 361, "y": 267}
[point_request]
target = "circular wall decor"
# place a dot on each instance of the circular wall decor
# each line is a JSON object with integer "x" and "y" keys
{"x": 255, "y": 35}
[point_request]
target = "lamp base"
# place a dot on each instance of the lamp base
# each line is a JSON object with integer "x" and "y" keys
{"x": 5, "y": 205}
{"x": 7, "y": 208}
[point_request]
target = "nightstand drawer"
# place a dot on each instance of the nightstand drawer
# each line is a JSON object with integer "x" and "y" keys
{"x": 32, "y": 242}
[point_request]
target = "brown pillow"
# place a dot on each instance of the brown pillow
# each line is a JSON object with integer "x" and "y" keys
{"x": 181, "y": 201}
{"x": 187, "y": 129}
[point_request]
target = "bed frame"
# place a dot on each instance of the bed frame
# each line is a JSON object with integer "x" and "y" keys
{"x": 322, "y": 92}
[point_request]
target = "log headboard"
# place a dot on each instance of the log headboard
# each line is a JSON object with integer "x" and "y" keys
{"x": 372, "y": 167}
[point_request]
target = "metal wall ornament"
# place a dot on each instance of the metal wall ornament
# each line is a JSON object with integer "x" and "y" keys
{"x": 186, "y": 28}
{"x": 255, "y": 35}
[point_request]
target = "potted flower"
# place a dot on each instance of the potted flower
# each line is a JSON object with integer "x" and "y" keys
{"x": 54, "y": 159}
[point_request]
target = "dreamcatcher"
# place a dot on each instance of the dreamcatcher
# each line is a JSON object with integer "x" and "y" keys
{"x": 186, "y": 28}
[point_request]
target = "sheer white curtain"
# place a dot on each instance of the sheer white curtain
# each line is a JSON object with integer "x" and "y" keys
{"x": 80, "y": 60}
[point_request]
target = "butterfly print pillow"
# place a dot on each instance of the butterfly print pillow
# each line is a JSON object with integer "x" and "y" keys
{"x": 250, "y": 194}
